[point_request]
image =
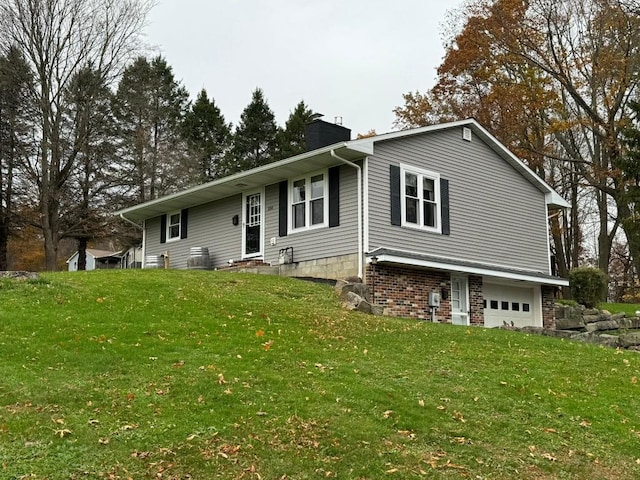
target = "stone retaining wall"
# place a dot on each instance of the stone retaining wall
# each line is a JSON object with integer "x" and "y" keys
{"x": 592, "y": 326}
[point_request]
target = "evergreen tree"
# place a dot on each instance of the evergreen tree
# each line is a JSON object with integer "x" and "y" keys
{"x": 630, "y": 171}
{"x": 89, "y": 116}
{"x": 208, "y": 137}
{"x": 15, "y": 83}
{"x": 255, "y": 136}
{"x": 150, "y": 105}
{"x": 291, "y": 139}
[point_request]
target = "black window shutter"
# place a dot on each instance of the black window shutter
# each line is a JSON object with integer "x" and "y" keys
{"x": 283, "y": 208}
{"x": 163, "y": 229}
{"x": 444, "y": 205}
{"x": 184, "y": 220}
{"x": 334, "y": 196}
{"x": 396, "y": 210}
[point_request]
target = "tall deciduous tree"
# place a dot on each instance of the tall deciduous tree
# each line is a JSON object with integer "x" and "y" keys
{"x": 15, "y": 110}
{"x": 57, "y": 38}
{"x": 150, "y": 105}
{"x": 208, "y": 137}
{"x": 255, "y": 136}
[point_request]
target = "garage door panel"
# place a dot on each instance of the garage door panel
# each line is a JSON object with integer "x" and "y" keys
{"x": 505, "y": 303}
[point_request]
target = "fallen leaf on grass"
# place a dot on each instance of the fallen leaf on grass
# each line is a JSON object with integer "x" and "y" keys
{"x": 585, "y": 424}
{"x": 141, "y": 455}
{"x": 103, "y": 441}
{"x": 221, "y": 380}
{"x": 634, "y": 380}
{"x": 267, "y": 345}
{"x": 549, "y": 430}
{"x": 260, "y": 333}
{"x": 549, "y": 457}
{"x": 387, "y": 413}
{"x": 65, "y": 432}
{"x": 458, "y": 416}
{"x": 178, "y": 364}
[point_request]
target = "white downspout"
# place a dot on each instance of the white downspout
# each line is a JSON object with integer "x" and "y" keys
{"x": 360, "y": 247}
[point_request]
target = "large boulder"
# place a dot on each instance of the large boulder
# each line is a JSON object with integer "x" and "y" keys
{"x": 630, "y": 340}
{"x": 602, "y": 325}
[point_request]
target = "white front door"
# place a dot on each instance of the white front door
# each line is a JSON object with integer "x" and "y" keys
{"x": 252, "y": 225}
{"x": 459, "y": 300}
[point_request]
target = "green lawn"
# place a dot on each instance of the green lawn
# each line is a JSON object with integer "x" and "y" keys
{"x": 629, "y": 309}
{"x": 201, "y": 375}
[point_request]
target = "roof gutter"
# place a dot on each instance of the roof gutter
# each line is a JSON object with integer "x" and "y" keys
{"x": 360, "y": 234}
{"x": 131, "y": 222}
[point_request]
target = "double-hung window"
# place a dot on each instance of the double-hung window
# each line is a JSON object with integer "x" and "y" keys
{"x": 309, "y": 204}
{"x": 420, "y": 198}
{"x": 173, "y": 226}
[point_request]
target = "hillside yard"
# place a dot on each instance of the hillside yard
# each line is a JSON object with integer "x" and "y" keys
{"x": 199, "y": 375}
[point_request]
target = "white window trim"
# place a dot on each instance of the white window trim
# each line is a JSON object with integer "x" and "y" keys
{"x": 307, "y": 202}
{"x": 169, "y": 238}
{"x": 404, "y": 169}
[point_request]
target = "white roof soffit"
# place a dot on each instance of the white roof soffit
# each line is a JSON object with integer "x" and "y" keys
{"x": 552, "y": 198}
{"x": 398, "y": 258}
{"x": 245, "y": 181}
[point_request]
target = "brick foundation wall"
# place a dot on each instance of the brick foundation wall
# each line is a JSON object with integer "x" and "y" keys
{"x": 404, "y": 292}
{"x": 476, "y": 299}
{"x": 548, "y": 307}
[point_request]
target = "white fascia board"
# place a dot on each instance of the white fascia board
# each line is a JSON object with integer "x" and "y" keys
{"x": 553, "y": 199}
{"x": 523, "y": 277}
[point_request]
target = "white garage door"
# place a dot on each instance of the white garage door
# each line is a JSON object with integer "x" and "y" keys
{"x": 505, "y": 303}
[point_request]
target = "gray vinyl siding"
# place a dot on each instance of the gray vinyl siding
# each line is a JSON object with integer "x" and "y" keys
{"x": 496, "y": 215}
{"x": 209, "y": 226}
{"x": 321, "y": 242}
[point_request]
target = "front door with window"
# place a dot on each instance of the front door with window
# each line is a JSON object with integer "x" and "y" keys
{"x": 252, "y": 225}
{"x": 459, "y": 301}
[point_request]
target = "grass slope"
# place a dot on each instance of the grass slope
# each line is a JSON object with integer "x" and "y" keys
{"x": 178, "y": 374}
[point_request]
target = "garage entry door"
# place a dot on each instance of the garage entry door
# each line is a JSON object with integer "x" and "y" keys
{"x": 505, "y": 303}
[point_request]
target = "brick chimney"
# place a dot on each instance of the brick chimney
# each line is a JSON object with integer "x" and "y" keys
{"x": 319, "y": 133}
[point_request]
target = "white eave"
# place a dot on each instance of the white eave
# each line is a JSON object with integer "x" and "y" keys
{"x": 245, "y": 181}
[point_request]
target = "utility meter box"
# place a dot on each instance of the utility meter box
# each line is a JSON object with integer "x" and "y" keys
{"x": 434, "y": 299}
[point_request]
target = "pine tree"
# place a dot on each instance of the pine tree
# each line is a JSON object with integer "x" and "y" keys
{"x": 89, "y": 115}
{"x": 150, "y": 105}
{"x": 255, "y": 136}
{"x": 15, "y": 82}
{"x": 208, "y": 137}
{"x": 291, "y": 139}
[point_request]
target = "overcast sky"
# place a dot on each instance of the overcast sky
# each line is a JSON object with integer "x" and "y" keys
{"x": 348, "y": 58}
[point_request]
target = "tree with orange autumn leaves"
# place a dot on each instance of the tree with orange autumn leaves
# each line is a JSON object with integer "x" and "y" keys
{"x": 552, "y": 80}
